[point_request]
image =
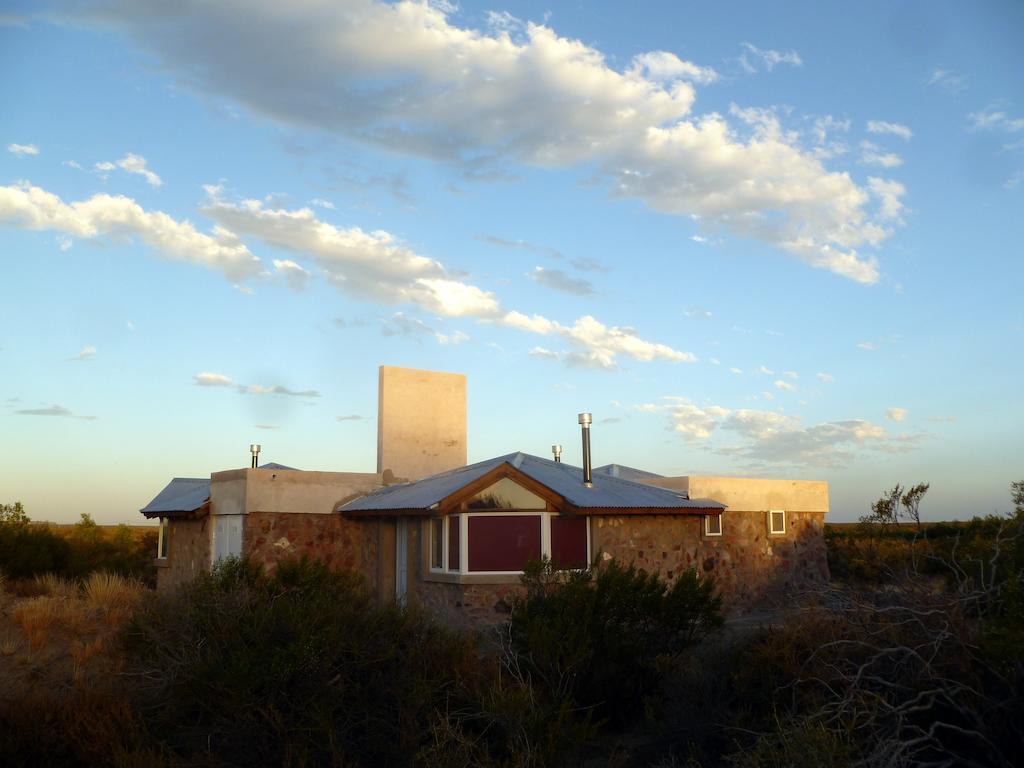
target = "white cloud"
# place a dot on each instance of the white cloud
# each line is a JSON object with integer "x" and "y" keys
{"x": 951, "y": 82}
{"x": 29, "y": 207}
{"x": 88, "y": 353}
{"x": 784, "y": 385}
{"x": 791, "y": 374}
{"x": 825, "y": 378}
{"x": 276, "y": 389}
{"x": 53, "y": 410}
{"x": 868, "y": 346}
{"x": 401, "y": 324}
{"x": 295, "y": 275}
{"x": 766, "y": 371}
{"x": 132, "y": 163}
{"x": 662, "y": 66}
{"x": 374, "y": 266}
{"x": 319, "y": 202}
{"x": 771, "y": 437}
{"x": 889, "y": 195}
{"x": 21, "y": 150}
{"x": 406, "y": 78}
{"x": 72, "y": 164}
{"x": 995, "y": 120}
{"x": 754, "y": 58}
{"x": 737, "y": 371}
{"x": 595, "y": 344}
{"x": 698, "y": 312}
{"x": 207, "y": 379}
{"x": 350, "y": 417}
{"x": 714, "y": 361}
{"x": 895, "y": 129}
{"x": 896, "y": 414}
{"x": 543, "y": 353}
{"x": 872, "y": 155}
{"x": 560, "y": 281}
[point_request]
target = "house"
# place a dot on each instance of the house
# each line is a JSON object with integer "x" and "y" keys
{"x": 428, "y": 528}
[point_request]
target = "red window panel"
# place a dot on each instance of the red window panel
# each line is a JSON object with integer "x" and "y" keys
{"x": 503, "y": 542}
{"x": 453, "y": 543}
{"x": 569, "y": 542}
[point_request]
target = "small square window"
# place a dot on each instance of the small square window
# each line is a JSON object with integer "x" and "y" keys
{"x": 777, "y": 521}
{"x": 713, "y": 525}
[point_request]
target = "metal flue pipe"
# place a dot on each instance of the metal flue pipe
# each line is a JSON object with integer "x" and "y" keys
{"x": 585, "y": 420}
{"x": 254, "y": 449}
{"x": 556, "y": 450}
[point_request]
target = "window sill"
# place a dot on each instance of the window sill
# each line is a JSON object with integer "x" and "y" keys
{"x": 473, "y": 578}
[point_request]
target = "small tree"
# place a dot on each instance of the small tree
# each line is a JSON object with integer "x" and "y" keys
{"x": 1017, "y": 496}
{"x": 886, "y": 510}
{"x": 13, "y": 514}
{"x": 896, "y": 504}
{"x": 912, "y": 502}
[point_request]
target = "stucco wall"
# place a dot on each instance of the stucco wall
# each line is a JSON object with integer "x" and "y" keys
{"x": 421, "y": 422}
{"x": 188, "y": 552}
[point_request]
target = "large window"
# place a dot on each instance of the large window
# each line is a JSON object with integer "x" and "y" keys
{"x": 501, "y": 529}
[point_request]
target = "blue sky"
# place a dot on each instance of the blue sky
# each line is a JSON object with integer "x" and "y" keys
{"x": 749, "y": 242}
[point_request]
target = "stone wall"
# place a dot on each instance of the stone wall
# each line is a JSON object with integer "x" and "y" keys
{"x": 188, "y": 552}
{"x": 750, "y": 567}
{"x": 340, "y": 542}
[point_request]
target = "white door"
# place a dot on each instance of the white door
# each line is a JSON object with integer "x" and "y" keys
{"x": 227, "y": 537}
{"x": 401, "y": 559}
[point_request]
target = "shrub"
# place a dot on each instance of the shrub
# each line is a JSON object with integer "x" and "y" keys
{"x": 30, "y": 549}
{"x": 602, "y": 639}
{"x": 301, "y": 667}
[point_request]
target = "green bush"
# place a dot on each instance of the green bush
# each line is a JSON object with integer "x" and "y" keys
{"x": 602, "y": 639}
{"x": 300, "y": 668}
{"x": 29, "y": 550}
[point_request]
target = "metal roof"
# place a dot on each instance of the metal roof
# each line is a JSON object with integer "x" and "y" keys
{"x": 625, "y": 473}
{"x": 181, "y": 496}
{"x": 275, "y": 465}
{"x": 607, "y": 492}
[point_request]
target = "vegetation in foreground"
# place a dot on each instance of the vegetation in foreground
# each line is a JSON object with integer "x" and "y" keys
{"x": 914, "y": 657}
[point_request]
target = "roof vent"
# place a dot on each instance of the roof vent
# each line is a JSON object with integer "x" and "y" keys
{"x": 585, "y": 420}
{"x": 556, "y": 450}
{"x": 254, "y": 449}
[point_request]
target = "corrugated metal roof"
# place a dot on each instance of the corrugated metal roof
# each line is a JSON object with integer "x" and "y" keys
{"x": 564, "y": 479}
{"x": 625, "y": 473}
{"x": 181, "y": 496}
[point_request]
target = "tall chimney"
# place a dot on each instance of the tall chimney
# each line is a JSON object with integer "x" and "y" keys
{"x": 254, "y": 449}
{"x": 557, "y": 451}
{"x": 585, "y": 419}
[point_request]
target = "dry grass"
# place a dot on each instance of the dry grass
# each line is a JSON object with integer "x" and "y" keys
{"x": 8, "y": 647}
{"x": 36, "y": 616}
{"x": 112, "y": 592}
{"x": 55, "y": 586}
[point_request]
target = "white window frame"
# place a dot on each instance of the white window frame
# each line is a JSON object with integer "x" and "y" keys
{"x": 462, "y": 519}
{"x": 162, "y": 538}
{"x": 707, "y": 527}
{"x": 771, "y": 529}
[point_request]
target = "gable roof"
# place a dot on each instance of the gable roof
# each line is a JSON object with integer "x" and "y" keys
{"x": 275, "y": 465}
{"x": 564, "y": 482}
{"x": 182, "y": 496}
